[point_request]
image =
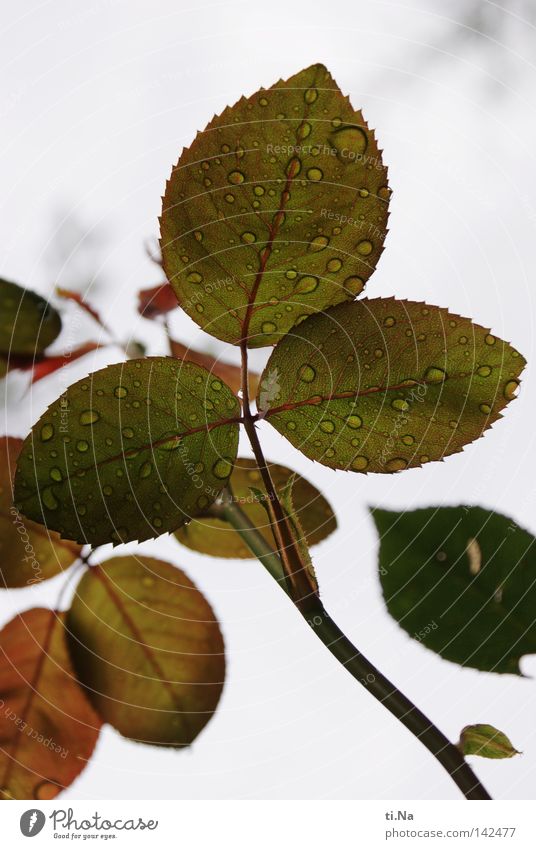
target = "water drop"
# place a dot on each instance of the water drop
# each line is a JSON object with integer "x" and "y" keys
{"x": 120, "y": 392}
{"x": 400, "y": 404}
{"x": 47, "y": 432}
{"x": 318, "y": 243}
{"x": 350, "y": 143}
{"x": 485, "y": 408}
{"x": 310, "y": 95}
{"x": 315, "y": 174}
{"x": 127, "y": 432}
{"x": 354, "y": 285}
{"x": 334, "y": 265}
{"x": 146, "y": 470}
{"x": 304, "y": 130}
{"x": 56, "y": 474}
{"x": 89, "y": 417}
{"x": 49, "y": 499}
{"x": 510, "y": 389}
{"x": 248, "y": 237}
{"x": 307, "y": 373}
{"x": 484, "y": 371}
{"x": 365, "y": 247}
{"x": 235, "y": 177}
{"x": 390, "y": 321}
{"x": 269, "y": 327}
{"x": 195, "y": 277}
{"x": 360, "y": 463}
{"x": 327, "y": 426}
{"x": 408, "y": 439}
{"x": 222, "y": 468}
{"x": 258, "y": 190}
{"x": 306, "y": 285}
{"x": 396, "y": 464}
{"x": 489, "y": 339}
{"x": 434, "y": 374}
{"x": 354, "y": 422}
{"x": 82, "y": 445}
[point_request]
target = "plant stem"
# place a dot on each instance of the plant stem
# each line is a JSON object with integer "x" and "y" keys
{"x": 303, "y": 593}
{"x": 445, "y": 752}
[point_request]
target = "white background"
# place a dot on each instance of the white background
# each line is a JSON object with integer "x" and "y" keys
{"x": 97, "y": 100}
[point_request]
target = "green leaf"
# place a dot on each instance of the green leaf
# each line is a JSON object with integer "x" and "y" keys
{"x": 461, "y": 580}
{"x": 209, "y": 535}
{"x": 486, "y": 742}
{"x": 130, "y": 452}
{"x": 29, "y": 553}
{"x": 384, "y": 385}
{"x": 48, "y": 729}
{"x": 146, "y": 645}
{"x": 28, "y": 323}
{"x": 277, "y": 210}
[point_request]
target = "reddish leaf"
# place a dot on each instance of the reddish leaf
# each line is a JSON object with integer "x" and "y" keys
{"x": 48, "y": 729}
{"x": 29, "y": 553}
{"x": 79, "y": 299}
{"x": 157, "y": 301}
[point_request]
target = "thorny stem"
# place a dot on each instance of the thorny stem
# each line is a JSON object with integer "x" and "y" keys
{"x": 445, "y": 752}
{"x": 314, "y": 613}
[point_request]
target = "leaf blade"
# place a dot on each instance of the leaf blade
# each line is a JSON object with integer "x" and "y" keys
{"x": 28, "y": 552}
{"x": 148, "y": 648}
{"x": 241, "y": 255}
{"x": 383, "y": 385}
{"x": 28, "y": 324}
{"x": 461, "y": 581}
{"x": 213, "y": 536}
{"x": 130, "y": 452}
{"x": 48, "y": 729}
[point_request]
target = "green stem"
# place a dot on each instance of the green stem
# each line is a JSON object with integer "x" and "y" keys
{"x": 445, "y": 752}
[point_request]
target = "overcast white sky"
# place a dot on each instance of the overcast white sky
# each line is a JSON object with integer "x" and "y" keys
{"x": 97, "y": 100}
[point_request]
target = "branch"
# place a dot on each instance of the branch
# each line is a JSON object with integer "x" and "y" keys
{"x": 445, "y": 752}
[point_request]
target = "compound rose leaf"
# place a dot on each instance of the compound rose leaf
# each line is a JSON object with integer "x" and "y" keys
{"x": 114, "y": 458}
{"x": 384, "y": 385}
{"x": 276, "y": 211}
{"x": 147, "y": 647}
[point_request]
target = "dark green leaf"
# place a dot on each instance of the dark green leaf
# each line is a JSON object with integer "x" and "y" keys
{"x": 29, "y": 553}
{"x": 384, "y": 385}
{"x": 130, "y": 452}
{"x": 28, "y": 323}
{"x": 48, "y": 729}
{"x": 461, "y": 580}
{"x": 486, "y": 742}
{"x": 216, "y": 537}
{"x": 276, "y": 211}
{"x": 148, "y": 648}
